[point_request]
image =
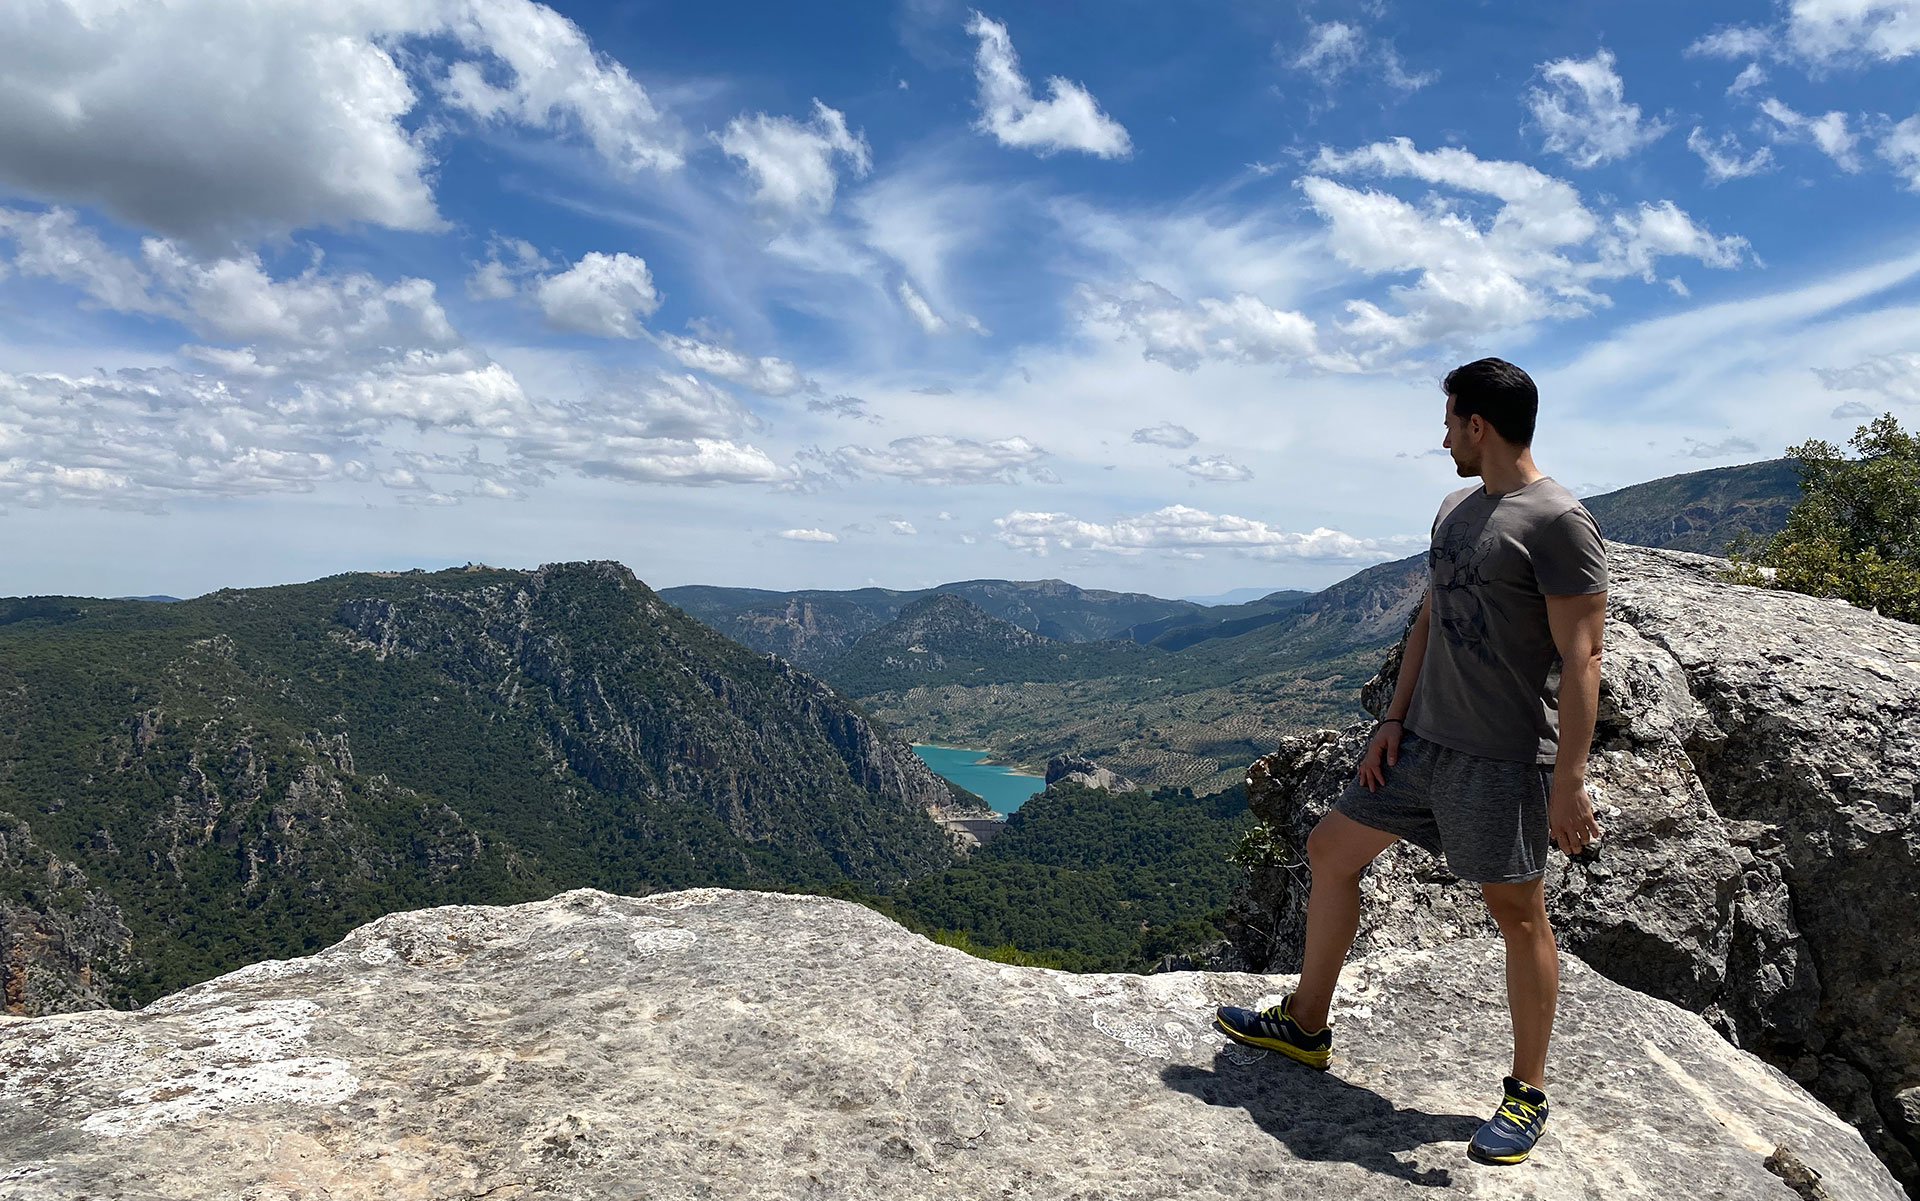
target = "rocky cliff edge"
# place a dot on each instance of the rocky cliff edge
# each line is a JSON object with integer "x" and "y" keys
{"x": 731, "y": 1044}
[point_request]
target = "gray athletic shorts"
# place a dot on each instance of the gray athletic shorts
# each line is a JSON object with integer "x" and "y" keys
{"x": 1487, "y": 816}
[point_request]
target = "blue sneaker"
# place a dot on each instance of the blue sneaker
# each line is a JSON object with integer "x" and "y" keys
{"x": 1273, "y": 1029}
{"x": 1508, "y": 1136}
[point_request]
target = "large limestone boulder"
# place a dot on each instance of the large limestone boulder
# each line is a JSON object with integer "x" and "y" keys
{"x": 1078, "y": 769}
{"x": 717, "y": 1044}
{"x": 1756, "y": 768}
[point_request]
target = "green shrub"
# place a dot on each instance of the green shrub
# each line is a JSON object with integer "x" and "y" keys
{"x": 1856, "y": 532}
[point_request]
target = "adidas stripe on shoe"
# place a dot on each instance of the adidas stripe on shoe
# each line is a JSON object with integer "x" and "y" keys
{"x": 1273, "y": 1029}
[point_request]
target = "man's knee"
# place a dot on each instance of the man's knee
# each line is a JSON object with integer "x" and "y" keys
{"x": 1340, "y": 848}
{"x": 1519, "y": 908}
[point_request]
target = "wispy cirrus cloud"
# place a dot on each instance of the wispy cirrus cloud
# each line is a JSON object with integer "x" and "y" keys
{"x": 1332, "y": 51}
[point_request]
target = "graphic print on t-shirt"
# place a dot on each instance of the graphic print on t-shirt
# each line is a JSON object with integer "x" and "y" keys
{"x": 1457, "y": 563}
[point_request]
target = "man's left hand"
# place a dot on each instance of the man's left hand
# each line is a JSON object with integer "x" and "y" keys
{"x": 1570, "y": 821}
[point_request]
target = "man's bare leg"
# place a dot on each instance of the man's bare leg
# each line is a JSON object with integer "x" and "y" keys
{"x": 1338, "y": 850}
{"x": 1533, "y": 972}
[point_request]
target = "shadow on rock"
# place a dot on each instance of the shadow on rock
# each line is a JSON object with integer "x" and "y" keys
{"x": 1323, "y": 1118}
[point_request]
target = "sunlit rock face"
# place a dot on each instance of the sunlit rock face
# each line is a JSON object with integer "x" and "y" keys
{"x": 1755, "y": 768}
{"x": 734, "y": 1044}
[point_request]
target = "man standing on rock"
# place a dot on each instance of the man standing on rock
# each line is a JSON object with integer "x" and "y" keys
{"x": 1482, "y": 753}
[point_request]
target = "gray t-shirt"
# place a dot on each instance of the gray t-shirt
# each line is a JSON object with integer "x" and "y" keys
{"x": 1490, "y": 682}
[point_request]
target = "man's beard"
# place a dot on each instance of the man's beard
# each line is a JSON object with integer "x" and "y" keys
{"x": 1465, "y": 469}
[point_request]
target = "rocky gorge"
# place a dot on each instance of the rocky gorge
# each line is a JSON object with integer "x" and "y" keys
{"x": 1756, "y": 768}
{"x": 712, "y": 1043}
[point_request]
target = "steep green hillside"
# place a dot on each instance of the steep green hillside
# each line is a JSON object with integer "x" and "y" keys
{"x": 1701, "y": 511}
{"x": 252, "y": 773}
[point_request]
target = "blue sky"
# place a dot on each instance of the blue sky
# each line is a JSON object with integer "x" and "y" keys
{"x": 1141, "y": 296}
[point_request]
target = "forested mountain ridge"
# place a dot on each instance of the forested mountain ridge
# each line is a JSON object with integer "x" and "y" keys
{"x": 814, "y": 627}
{"x": 1700, "y": 511}
{"x": 946, "y": 638}
{"x": 191, "y": 786}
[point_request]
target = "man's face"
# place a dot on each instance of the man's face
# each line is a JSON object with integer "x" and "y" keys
{"x": 1460, "y": 443}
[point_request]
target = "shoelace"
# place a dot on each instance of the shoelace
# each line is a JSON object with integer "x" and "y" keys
{"x": 1518, "y": 1111}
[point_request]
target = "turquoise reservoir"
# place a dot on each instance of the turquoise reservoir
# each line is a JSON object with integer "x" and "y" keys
{"x": 1002, "y": 788}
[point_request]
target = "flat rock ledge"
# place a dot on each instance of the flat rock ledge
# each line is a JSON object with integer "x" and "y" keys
{"x": 715, "y": 1044}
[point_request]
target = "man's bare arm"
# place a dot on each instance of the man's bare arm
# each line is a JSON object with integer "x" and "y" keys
{"x": 1411, "y": 661}
{"x": 1384, "y": 746}
{"x": 1579, "y": 624}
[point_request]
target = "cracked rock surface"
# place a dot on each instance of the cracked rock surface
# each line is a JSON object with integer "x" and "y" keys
{"x": 1755, "y": 767}
{"x": 747, "y": 1045}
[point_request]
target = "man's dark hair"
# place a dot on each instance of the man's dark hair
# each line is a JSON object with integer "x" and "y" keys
{"x": 1502, "y": 394}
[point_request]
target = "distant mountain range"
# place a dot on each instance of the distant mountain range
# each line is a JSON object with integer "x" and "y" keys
{"x": 812, "y": 628}
{"x": 1171, "y": 693}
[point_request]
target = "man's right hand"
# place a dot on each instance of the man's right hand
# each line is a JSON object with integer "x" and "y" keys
{"x": 1384, "y": 746}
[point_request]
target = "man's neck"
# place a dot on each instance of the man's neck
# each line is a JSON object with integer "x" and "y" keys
{"x": 1499, "y": 478}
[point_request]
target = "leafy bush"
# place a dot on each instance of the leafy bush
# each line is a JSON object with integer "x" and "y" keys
{"x": 1856, "y": 532}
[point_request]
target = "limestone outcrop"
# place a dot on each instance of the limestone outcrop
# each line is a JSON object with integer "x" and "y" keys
{"x": 51, "y": 944}
{"x": 1078, "y": 769}
{"x": 1755, "y": 767}
{"x": 724, "y": 1044}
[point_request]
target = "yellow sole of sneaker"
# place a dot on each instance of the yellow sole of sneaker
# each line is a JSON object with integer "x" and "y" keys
{"x": 1483, "y": 1157}
{"x": 1313, "y": 1059}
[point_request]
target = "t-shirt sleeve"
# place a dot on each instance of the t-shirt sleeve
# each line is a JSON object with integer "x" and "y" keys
{"x": 1568, "y": 557}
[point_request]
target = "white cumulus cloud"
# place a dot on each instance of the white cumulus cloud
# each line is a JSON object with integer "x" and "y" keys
{"x": 1182, "y": 528}
{"x": 791, "y": 162}
{"x": 604, "y": 294}
{"x": 944, "y": 459}
{"x": 1242, "y": 328}
{"x": 764, "y": 374}
{"x": 132, "y": 107}
{"x": 322, "y": 378}
{"x": 904, "y": 528}
{"x": 1070, "y": 119}
{"x": 1177, "y": 437}
{"x": 809, "y": 535}
{"x": 1901, "y": 149}
{"x": 512, "y": 261}
{"x": 1540, "y": 255}
{"x": 1583, "y": 114}
{"x": 1825, "y": 33}
{"x": 1218, "y": 469}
